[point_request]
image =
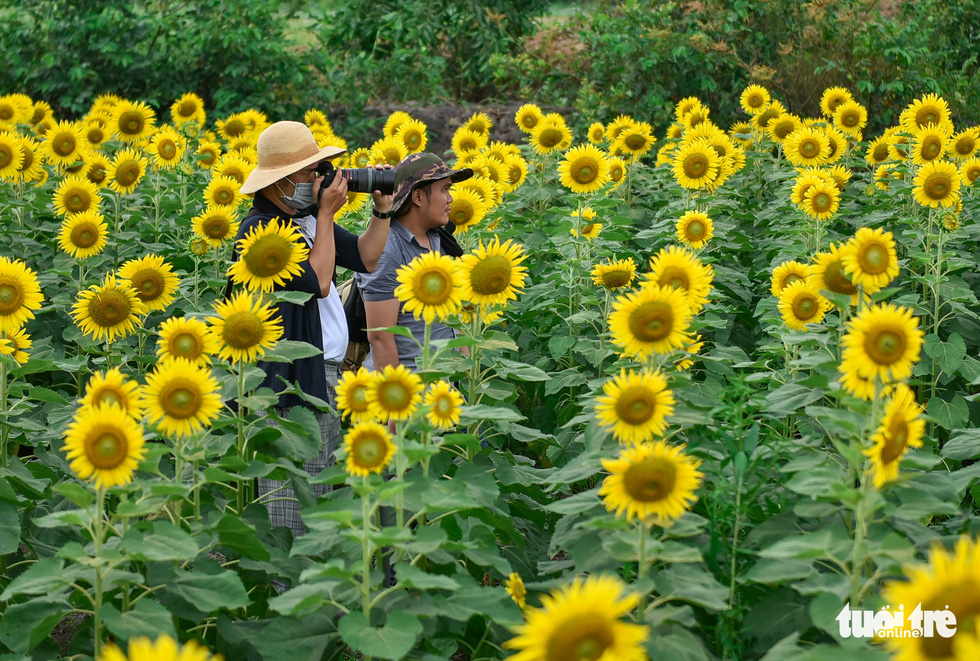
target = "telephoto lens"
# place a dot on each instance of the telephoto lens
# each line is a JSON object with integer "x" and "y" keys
{"x": 360, "y": 180}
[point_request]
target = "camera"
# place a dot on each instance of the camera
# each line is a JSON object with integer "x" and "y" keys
{"x": 359, "y": 180}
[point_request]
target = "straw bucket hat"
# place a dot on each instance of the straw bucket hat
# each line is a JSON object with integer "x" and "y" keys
{"x": 285, "y": 148}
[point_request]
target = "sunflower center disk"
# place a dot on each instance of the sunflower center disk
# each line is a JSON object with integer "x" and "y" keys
{"x": 357, "y": 399}
{"x": 127, "y": 174}
{"x": 821, "y": 202}
{"x": 885, "y": 347}
{"x": 809, "y": 149}
{"x": 77, "y": 201}
{"x": 937, "y": 187}
{"x": 695, "y": 229}
{"x": 462, "y": 213}
{"x": 148, "y": 285}
{"x": 805, "y": 308}
{"x": 583, "y": 637}
{"x": 186, "y": 346}
{"x": 106, "y": 450}
{"x": 585, "y": 173}
{"x": 837, "y": 281}
{"x": 433, "y": 288}
{"x": 268, "y": 256}
{"x": 187, "y": 108}
{"x": 613, "y": 279}
{"x": 491, "y": 275}
{"x": 97, "y": 174}
{"x": 216, "y": 228}
{"x": 635, "y": 405}
{"x": 65, "y": 146}
{"x": 651, "y": 322}
{"x": 131, "y": 123}
{"x": 961, "y": 598}
{"x": 109, "y": 397}
{"x": 109, "y": 308}
{"x": 11, "y": 298}
{"x": 550, "y": 137}
{"x": 368, "y": 452}
{"x": 180, "y": 401}
{"x": 224, "y": 196}
{"x": 895, "y": 441}
{"x": 6, "y": 156}
{"x": 695, "y": 166}
{"x": 932, "y": 149}
{"x": 444, "y": 406}
{"x": 393, "y": 396}
{"x": 243, "y": 330}
{"x": 650, "y": 480}
{"x": 168, "y": 150}
{"x": 874, "y": 259}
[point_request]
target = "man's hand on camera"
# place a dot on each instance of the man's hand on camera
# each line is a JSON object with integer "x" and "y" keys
{"x": 383, "y": 203}
{"x": 334, "y": 196}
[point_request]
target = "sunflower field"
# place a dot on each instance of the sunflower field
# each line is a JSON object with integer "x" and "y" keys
{"x": 713, "y": 394}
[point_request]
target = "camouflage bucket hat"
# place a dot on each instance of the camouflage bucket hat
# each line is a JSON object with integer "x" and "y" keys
{"x": 420, "y": 169}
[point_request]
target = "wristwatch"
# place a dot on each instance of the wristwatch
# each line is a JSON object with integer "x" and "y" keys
{"x": 383, "y": 215}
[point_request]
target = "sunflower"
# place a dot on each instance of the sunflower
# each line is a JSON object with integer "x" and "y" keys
{"x": 800, "y": 304}
{"x": 970, "y": 171}
{"x": 635, "y": 141}
{"x": 132, "y": 120}
{"x": 827, "y": 273}
{"x": 430, "y": 286}
{"x": 614, "y": 275}
{"x": 316, "y": 118}
{"x": 30, "y": 168}
{"x": 126, "y": 171}
{"x": 490, "y": 167}
{"x": 395, "y": 393}
{"x": 154, "y": 281}
{"x": 617, "y": 171}
{"x": 679, "y": 268}
{"x": 822, "y": 200}
{"x": 181, "y": 397}
{"x": 369, "y": 449}
{"x": 207, "y": 154}
{"x": 786, "y": 274}
{"x": 755, "y": 99}
{"x": 13, "y": 110}
{"x": 443, "y": 404}
{"x": 833, "y": 97}
{"x": 479, "y": 122}
{"x": 527, "y": 117}
{"x": 883, "y": 173}
{"x": 11, "y": 155}
{"x": 395, "y": 120}
{"x": 929, "y": 145}
{"x": 949, "y": 582}
{"x": 964, "y": 144}
{"x": 783, "y": 126}
{"x": 413, "y": 136}
{"x": 870, "y": 260}
{"x": 20, "y": 295}
{"x": 361, "y": 158}
{"x": 96, "y": 169}
{"x": 652, "y": 482}
{"x": 549, "y": 136}
{"x": 901, "y": 427}
{"x": 487, "y": 190}
{"x": 83, "y": 235}
{"x": 108, "y": 310}
{"x": 883, "y": 340}
{"x": 63, "y": 144}
{"x": 652, "y": 320}
{"x": 104, "y": 443}
{"x": 392, "y": 150}
{"x": 937, "y": 185}
{"x": 617, "y": 126}
{"x": 112, "y": 388}
{"x": 104, "y": 103}
{"x": 807, "y": 147}
{"x": 517, "y": 171}
{"x": 355, "y": 202}
{"x": 186, "y": 338}
{"x": 167, "y": 148}
{"x": 596, "y": 132}
{"x": 584, "y": 169}
{"x": 514, "y": 586}
{"x": 840, "y": 175}
{"x": 188, "y": 108}
{"x": 762, "y": 120}
{"x": 164, "y": 649}
{"x": 16, "y": 346}
{"x": 697, "y": 116}
{"x": 75, "y": 195}
{"x": 696, "y": 164}
{"x": 850, "y": 117}
{"x": 929, "y": 109}
{"x": 271, "y": 254}
{"x": 216, "y": 225}
{"x": 466, "y": 141}
{"x": 352, "y": 395}
{"x": 492, "y": 273}
{"x": 581, "y": 622}
{"x": 741, "y": 133}
{"x": 590, "y": 229}
{"x": 877, "y": 152}
{"x": 245, "y": 327}
{"x": 695, "y": 229}
{"x": 223, "y": 192}
{"x": 691, "y": 348}
{"x": 635, "y": 405}
{"x": 233, "y": 126}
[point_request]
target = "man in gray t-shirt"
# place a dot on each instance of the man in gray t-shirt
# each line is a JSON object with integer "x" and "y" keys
{"x": 421, "y": 204}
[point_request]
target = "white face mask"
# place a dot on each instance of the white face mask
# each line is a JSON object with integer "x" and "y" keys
{"x": 302, "y": 198}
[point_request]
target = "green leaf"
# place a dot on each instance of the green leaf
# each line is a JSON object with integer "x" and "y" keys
{"x": 692, "y": 584}
{"x": 208, "y": 593}
{"x": 294, "y": 297}
{"x": 559, "y": 345}
{"x": 43, "y": 577}
{"x": 286, "y": 351}
{"x": 477, "y": 412}
{"x": 789, "y": 398}
{"x": 307, "y": 638}
{"x": 949, "y": 415}
{"x": 45, "y": 395}
{"x": 76, "y": 493}
{"x": 411, "y": 576}
{"x": 24, "y": 626}
{"x": 9, "y": 528}
{"x": 962, "y": 444}
{"x": 948, "y": 355}
{"x": 520, "y": 371}
{"x": 392, "y": 641}
{"x": 146, "y": 618}
{"x": 240, "y": 536}
{"x": 820, "y": 544}
{"x": 300, "y": 437}
{"x": 165, "y": 542}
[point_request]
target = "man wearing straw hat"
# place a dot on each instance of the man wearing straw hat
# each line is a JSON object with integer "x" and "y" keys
{"x": 286, "y": 186}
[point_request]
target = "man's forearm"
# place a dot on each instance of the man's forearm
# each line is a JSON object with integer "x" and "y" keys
{"x": 384, "y": 351}
{"x": 372, "y": 242}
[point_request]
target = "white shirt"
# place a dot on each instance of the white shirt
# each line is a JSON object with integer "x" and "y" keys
{"x": 333, "y": 321}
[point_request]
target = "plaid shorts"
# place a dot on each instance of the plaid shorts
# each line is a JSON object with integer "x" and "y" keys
{"x": 282, "y": 505}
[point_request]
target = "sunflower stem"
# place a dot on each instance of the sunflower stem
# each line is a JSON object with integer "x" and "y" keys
{"x": 98, "y": 530}
{"x": 366, "y": 551}
{"x": 4, "y": 427}
{"x": 641, "y": 570}
{"x": 427, "y": 339}
{"x": 474, "y": 375}
{"x": 240, "y": 420}
{"x": 858, "y": 556}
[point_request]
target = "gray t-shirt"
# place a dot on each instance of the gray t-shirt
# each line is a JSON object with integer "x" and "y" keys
{"x": 400, "y": 249}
